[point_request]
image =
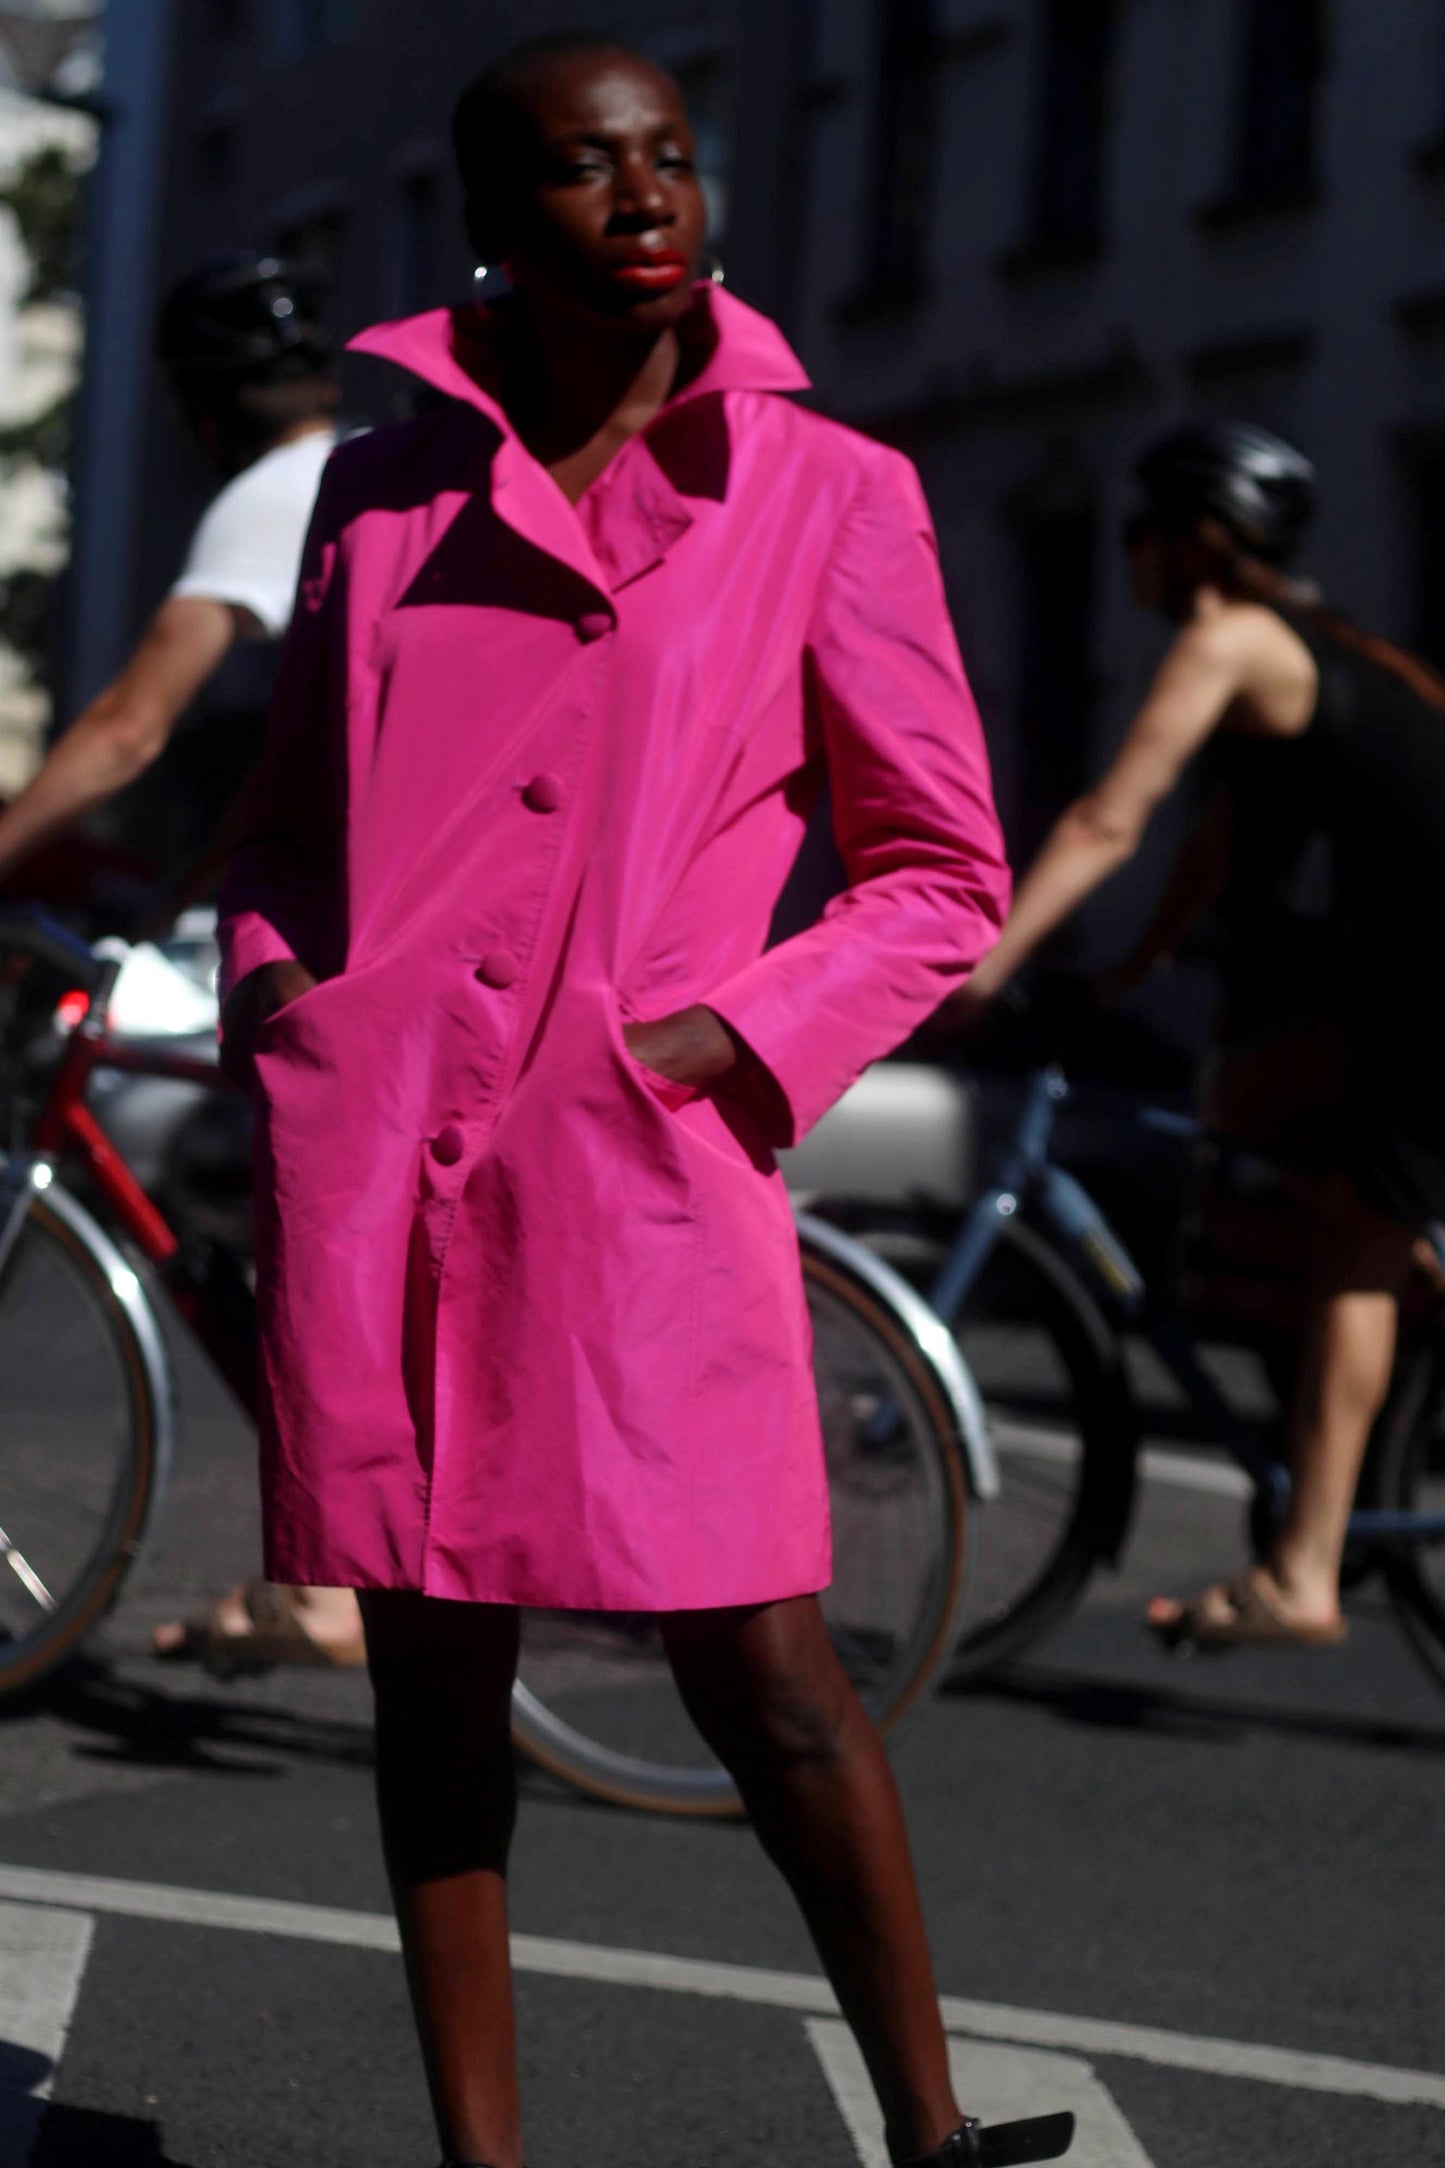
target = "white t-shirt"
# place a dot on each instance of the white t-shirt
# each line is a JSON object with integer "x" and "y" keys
{"x": 247, "y": 549}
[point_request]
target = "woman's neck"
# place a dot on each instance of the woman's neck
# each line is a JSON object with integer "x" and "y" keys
{"x": 574, "y": 399}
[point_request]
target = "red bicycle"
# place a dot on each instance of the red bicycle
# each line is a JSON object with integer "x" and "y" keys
{"x": 85, "y": 1375}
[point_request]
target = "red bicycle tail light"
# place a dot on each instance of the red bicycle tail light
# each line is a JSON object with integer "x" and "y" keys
{"x": 72, "y": 1009}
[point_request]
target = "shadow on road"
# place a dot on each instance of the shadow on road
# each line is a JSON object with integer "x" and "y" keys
{"x": 1118, "y": 1706}
{"x": 86, "y": 2138}
{"x": 215, "y": 1730}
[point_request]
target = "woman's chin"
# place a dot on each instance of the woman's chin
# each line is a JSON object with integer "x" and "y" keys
{"x": 650, "y": 311}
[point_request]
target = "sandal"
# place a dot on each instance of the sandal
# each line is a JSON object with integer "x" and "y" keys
{"x": 1241, "y": 1614}
{"x": 277, "y": 1634}
{"x": 997, "y": 2145}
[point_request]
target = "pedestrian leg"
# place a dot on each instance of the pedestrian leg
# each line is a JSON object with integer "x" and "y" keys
{"x": 1349, "y": 1356}
{"x": 1364, "y": 1261}
{"x": 446, "y": 1789}
{"x": 769, "y": 1695}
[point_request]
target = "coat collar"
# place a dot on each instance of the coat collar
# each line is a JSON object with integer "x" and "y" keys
{"x": 749, "y": 353}
{"x": 618, "y": 533}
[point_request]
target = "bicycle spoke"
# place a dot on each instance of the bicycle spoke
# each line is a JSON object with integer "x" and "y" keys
{"x": 25, "y": 1573}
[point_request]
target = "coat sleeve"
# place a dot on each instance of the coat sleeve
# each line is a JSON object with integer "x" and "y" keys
{"x": 281, "y": 896}
{"x": 913, "y": 813}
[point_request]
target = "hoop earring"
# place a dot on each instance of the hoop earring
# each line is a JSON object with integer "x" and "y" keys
{"x": 713, "y": 272}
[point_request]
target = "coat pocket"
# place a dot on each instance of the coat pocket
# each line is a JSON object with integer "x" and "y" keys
{"x": 665, "y": 1089}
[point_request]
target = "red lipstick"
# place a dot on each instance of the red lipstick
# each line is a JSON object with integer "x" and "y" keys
{"x": 657, "y": 272}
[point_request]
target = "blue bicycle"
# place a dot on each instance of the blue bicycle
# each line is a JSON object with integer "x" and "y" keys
{"x": 1045, "y": 1299}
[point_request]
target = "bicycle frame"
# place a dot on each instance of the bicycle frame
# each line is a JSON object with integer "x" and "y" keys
{"x": 206, "y": 1288}
{"x": 1026, "y": 1177}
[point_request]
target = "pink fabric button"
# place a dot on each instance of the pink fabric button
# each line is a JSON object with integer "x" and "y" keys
{"x": 593, "y": 624}
{"x": 499, "y": 969}
{"x": 543, "y": 794}
{"x": 448, "y": 1145}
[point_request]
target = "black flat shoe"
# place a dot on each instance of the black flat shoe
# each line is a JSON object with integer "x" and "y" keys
{"x": 999, "y": 2145}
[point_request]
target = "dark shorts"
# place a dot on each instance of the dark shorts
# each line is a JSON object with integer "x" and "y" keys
{"x": 1393, "y": 1141}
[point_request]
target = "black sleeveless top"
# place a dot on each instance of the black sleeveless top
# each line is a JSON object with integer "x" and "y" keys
{"x": 1368, "y": 776}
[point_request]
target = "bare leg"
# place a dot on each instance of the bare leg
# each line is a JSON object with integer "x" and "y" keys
{"x": 330, "y": 1616}
{"x": 1345, "y": 1368}
{"x": 1349, "y": 1356}
{"x": 446, "y": 1790}
{"x": 767, "y": 1692}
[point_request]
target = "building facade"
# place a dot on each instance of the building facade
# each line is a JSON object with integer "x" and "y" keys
{"x": 1014, "y": 236}
{"x": 1037, "y": 232}
{"x": 46, "y": 143}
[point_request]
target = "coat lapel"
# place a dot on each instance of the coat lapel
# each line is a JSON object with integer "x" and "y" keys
{"x": 633, "y": 516}
{"x": 635, "y": 513}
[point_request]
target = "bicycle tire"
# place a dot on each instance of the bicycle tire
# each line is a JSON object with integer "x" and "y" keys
{"x": 1410, "y": 1442}
{"x": 60, "y": 1250}
{"x": 590, "y": 1765}
{"x": 1092, "y": 1523}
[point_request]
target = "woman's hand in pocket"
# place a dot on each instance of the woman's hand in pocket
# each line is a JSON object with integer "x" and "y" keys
{"x": 692, "y": 1046}
{"x": 260, "y": 994}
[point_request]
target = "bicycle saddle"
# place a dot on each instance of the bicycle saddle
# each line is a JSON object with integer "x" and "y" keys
{"x": 998, "y": 2145}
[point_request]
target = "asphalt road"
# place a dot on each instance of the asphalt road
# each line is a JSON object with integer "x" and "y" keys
{"x": 1203, "y": 1903}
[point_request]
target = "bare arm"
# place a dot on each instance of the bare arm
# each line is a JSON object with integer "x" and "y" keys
{"x": 125, "y": 728}
{"x": 1200, "y": 677}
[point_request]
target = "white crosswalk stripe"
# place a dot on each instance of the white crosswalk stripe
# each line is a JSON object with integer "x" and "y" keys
{"x": 1013, "y": 2061}
{"x": 43, "y": 1956}
{"x": 996, "y": 2084}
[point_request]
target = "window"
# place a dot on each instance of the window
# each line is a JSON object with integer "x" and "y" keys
{"x": 218, "y": 139}
{"x": 1283, "y": 61}
{"x": 319, "y": 242}
{"x": 1068, "y": 201}
{"x": 1427, "y": 632}
{"x": 705, "y": 81}
{"x": 416, "y": 267}
{"x": 302, "y": 27}
{"x": 905, "y": 125}
{"x": 216, "y": 155}
{"x": 1057, "y": 560}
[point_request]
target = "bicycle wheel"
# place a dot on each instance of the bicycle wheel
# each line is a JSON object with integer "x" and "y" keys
{"x": 1410, "y": 1478}
{"x": 595, "y": 1702}
{"x": 85, "y": 1434}
{"x": 1061, "y": 1423}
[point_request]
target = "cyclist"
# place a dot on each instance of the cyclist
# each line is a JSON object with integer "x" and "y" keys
{"x": 242, "y": 342}
{"x": 1322, "y": 726}
{"x": 243, "y": 347}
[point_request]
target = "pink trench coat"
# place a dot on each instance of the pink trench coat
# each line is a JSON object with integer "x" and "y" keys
{"x": 533, "y": 1329}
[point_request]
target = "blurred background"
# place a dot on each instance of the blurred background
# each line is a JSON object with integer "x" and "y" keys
{"x": 1015, "y": 237}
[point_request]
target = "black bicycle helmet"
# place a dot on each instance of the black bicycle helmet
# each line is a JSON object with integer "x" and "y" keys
{"x": 1257, "y": 486}
{"x": 242, "y": 316}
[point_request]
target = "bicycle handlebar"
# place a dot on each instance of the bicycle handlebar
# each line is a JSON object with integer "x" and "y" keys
{"x": 36, "y": 933}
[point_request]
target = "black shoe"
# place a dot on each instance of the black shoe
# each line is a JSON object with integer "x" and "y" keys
{"x": 1000, "y": 2145}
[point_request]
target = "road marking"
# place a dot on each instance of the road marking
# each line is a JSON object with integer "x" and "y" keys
{"x": 43, "y": 1955}
{"x": 1194, "y": 1471}
{"x": 737, "y": 1983}
{"x": 996, "y": 2084}
{"x": 1157, "y": 1464}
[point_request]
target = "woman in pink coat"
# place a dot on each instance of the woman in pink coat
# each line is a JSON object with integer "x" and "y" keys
{"x": 573, "y": 653}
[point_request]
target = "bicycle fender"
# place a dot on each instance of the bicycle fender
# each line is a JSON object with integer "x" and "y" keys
{"x": 930, "y": 1335}
{"x": 130, "y": 1294}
